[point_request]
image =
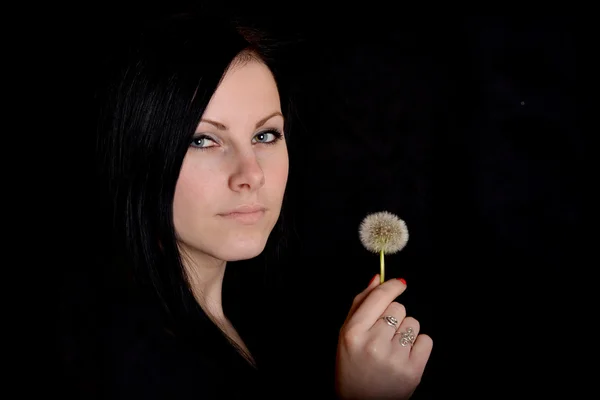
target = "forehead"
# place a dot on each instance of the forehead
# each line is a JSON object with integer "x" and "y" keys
{"x": 248, "y": 86}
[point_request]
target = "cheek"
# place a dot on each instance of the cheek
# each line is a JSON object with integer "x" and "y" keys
{"x": 192, "y": 192}
{"x": 278, "y": 174}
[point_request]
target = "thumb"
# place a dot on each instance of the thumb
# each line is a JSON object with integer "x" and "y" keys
{"x": 362, "y": 295}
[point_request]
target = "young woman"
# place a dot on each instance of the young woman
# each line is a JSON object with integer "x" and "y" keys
{"x": 193, "y": 158}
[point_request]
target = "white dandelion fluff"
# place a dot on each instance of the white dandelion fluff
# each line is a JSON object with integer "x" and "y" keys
{"x": 383, "y": 233}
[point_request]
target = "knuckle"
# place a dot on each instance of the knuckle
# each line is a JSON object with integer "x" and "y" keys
{"x": 397, "y": 309}
{"x": 381, "y": 292}
{"x": 374, "y": 350}
{"x": 413, "y": 323}
{"x": 350, "y": 337}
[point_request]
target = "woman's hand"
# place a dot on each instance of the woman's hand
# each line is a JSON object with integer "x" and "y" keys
{"x": 379, "y": 358}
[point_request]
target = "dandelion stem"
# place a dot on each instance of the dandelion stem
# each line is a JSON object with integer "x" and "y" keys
{"x": 382, "y": 267}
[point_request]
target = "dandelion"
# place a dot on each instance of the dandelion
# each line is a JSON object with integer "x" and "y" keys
{"x": 383, "y": 233}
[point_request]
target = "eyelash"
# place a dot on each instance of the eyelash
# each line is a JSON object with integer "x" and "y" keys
{"x": 275, "y": 132}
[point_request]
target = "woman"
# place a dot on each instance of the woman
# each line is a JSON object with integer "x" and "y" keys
{"x": 193, "y": 155}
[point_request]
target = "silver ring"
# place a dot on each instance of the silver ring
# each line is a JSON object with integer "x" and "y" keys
{"x": 391, "y": 321}
{"x": 407, "y": 337}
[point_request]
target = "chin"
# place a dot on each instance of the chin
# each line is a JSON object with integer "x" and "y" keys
{"x": 234, "y": 245}
{"x": 243, "y": 251}
{"x": 237, "y": 246}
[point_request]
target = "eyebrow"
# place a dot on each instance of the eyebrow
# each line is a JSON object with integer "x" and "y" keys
{"x": 260, "y": 123}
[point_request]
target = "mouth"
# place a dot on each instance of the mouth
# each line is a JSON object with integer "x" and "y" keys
{"x": 245, "y": 214}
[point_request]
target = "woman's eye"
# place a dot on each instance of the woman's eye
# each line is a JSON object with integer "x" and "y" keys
{"x": 202, "y": 142}
{"x": 267, "y": 137}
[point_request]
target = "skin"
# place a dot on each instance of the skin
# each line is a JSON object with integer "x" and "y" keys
{"x": 235, "y": 160}
{"x": 231, "y": 162}
{"x": 371, "y": 362}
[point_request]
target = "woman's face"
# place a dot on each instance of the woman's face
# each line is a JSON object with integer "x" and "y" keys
{"x": 230, "y": 189}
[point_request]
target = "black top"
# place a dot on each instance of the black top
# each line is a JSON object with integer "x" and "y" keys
{"x": 122, "y": 348}
{"x": 146, "y": 360}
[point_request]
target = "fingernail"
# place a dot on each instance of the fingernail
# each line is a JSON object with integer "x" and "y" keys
{"x": 402, "y": 280}
{"x": 372, "y": 280}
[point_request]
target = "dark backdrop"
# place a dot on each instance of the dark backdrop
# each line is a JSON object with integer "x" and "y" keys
{"x": 465, "y": 128}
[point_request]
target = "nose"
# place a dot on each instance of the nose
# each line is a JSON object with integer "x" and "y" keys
{"x": 248, "y": 174}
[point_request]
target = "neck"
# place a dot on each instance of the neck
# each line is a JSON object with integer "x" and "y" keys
{"x": 206, "y": 279}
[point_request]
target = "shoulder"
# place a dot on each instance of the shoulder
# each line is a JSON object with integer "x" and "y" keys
{"x": 149, "y": 361}
{"x": 140, "y": 356}
{"x": 156, "y": 366}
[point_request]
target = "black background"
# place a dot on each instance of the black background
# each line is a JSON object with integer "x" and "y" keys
{"x": 465, "y": 128}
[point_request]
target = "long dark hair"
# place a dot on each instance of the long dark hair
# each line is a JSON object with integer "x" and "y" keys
{"x": 150, "y": 104}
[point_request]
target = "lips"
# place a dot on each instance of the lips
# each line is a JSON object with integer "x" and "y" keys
{"x": 245, "y": 214}
{"x": 246, "y": 209}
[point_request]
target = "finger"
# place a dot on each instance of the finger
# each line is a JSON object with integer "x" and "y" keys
{"x": 420, "y": 352}
{"x": 362, "y": 295}
{"x": 375, "y": 303}
{"x": 385, "y": 328}
{"x": 407, "y": 334}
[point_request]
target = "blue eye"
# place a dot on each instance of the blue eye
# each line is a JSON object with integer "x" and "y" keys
{"x": 268, "y": 137}
{"x": 202, "y": 142}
